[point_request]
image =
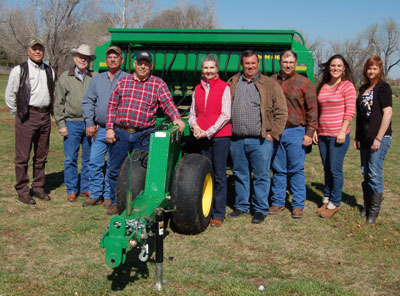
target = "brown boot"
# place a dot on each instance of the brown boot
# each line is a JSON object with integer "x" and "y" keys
{"x": 112, "y": 210}
{"x": 86, "y": 194}
{"x": 273, "y": 210}
{"x": 107, "y": 203}
{"x": 26, "y": 199}
{"x": 322, "y": 208}
{"x": 71, "y": 197}
{"x": 327, "y": 213}
{"x": 92, "y": 202}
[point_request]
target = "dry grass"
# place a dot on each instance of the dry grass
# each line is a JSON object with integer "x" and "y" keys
{"x": 53, "y": 248}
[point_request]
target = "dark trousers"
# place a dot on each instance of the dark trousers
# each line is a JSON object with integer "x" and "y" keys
{"x": 217, "y": 150}
{"x": 34, "y": 131}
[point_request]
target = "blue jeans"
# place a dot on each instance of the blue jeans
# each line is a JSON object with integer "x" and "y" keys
{"x": 332, "y": 156}
{"x": 252, "y": 154}
{"x": 372, "y": 164}
{"x": 126, "y": 142}
{"x": 288, "y": 163}
{"x": 100, "y": 148}
{"x": 217, "y": 150}
{"x": 76, "y": 137}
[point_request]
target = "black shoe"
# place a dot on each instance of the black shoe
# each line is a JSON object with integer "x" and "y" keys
{"x": 237, "y": 213}
{"x": 258, "y": 218}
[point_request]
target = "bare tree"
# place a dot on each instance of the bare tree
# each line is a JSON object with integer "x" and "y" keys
{"x": 384, "y": 40}
{"x": 354, "y": 54}
{"x": 185, "y": 16}
{"x": 130, "y": 13}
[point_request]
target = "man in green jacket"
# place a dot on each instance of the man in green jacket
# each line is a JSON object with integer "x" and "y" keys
{"x": 70, "y": 90}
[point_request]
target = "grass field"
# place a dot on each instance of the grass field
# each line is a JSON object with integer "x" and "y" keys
{"x": 53, "y": 248}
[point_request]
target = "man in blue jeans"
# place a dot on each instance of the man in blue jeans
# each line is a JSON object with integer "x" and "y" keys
{"x": 94, "y": 109}
{"x": 258, "y": 117}
{"x": 70, "y": 89}
{"x": 288, "y": 162}
{"x": 132, "y": 111}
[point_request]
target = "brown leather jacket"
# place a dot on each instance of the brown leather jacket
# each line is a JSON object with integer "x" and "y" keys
{"x": 273, "y": 106}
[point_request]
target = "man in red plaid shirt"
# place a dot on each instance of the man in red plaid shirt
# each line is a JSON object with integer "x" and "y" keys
{"x": 132, "y": 111}
{"x": 288, "y": 162}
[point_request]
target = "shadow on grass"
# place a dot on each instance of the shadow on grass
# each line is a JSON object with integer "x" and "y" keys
{"x": 133, "y": 269}
{"x": 54, "y": 180}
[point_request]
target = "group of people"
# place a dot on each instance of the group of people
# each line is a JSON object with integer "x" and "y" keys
{"x": 269, "y": 122}
{"x": 263, "y": 122}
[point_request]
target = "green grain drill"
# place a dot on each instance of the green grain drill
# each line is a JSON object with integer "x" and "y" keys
{"x": 169, "y": 178}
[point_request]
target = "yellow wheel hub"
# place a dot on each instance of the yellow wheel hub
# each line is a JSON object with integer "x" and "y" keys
{"x": 207, "y": 195}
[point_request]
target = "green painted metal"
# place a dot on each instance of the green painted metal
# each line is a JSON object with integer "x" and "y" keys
{"x": 165, "y": 152}
{"x": 177, "y": 53}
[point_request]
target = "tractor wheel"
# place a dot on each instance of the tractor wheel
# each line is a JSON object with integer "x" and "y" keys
{"x": 139, "y": 168}
{"x": 192, "y": 194}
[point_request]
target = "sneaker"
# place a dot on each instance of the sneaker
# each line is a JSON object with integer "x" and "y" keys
{"x": 297, "y": 213}
{"x": 273, "y": 210}
{"x": 237, "y": 213}
{"x": 258, "y": 218}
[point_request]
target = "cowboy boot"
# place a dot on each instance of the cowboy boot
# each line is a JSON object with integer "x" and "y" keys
{"x": 367, "y": 199}
{"x": 375, "y": 207}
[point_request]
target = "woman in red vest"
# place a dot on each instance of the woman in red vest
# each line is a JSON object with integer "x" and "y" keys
{"x": 209, "y": 119}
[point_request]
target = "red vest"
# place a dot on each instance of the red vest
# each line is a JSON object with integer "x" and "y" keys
{"x": 208, "y": 115}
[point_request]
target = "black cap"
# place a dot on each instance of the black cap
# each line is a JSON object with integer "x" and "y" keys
{"x": 144, "y": 55}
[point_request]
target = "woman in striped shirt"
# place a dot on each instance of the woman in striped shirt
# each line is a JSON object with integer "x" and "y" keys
{"x": 336, "y": 102}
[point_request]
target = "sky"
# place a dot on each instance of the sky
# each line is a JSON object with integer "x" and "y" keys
{"x": 329, "y": 20}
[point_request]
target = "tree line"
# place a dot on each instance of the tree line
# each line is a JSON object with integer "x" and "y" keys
{"x": 64, "y": 24}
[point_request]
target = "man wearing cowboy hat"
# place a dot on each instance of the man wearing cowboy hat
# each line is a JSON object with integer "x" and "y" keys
{"x": 70, "y": 89}
{"x": 29, "y": 96}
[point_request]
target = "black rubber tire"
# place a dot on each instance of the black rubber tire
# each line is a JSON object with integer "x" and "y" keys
{"x": 139, "y": 168}
{"x": 192, "y": 176}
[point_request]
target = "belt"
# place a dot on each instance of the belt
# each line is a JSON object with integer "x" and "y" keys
{"x": 40, "y": 109}
{"x": 131, "y": 130}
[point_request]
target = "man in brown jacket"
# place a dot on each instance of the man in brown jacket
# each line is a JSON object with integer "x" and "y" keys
{"x": 259, "y": 115}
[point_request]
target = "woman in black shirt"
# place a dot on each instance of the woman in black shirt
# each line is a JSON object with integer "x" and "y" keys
{"x": 373, "y": 134}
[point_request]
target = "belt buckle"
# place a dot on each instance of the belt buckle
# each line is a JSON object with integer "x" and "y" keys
{"x": 131, "y": 130}
{"x": 42, "y": 109}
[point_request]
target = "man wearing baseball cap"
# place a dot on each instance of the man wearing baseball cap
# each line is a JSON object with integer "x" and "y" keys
{"x": 70, "y": 89}
{"x": 132, "y": 111}
{"x": 29, "y": 96}
{"x": 94, "y": 108}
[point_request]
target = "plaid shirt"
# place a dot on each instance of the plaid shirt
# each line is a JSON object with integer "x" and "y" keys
{"x": 135, "y": 103}
{"x": 301, "y": 101}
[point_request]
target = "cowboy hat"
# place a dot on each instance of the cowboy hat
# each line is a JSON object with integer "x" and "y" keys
{"x": 84, "y": 49}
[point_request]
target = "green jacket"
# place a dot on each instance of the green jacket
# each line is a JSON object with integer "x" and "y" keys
{"x": 273, "y": 106}
{"x": 68, "y": 96}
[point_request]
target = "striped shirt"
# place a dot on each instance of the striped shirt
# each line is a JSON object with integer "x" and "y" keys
{"x": 335, "y": 105}
{"x": 134, "y": 103}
